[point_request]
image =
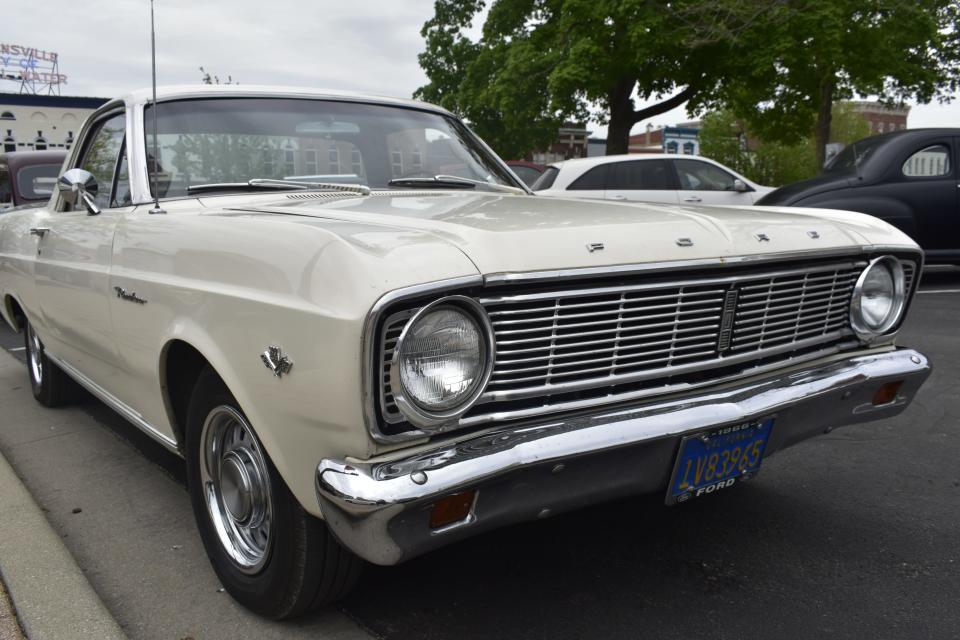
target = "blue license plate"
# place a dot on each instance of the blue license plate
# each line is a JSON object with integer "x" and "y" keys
{"x": 717, "y": 459}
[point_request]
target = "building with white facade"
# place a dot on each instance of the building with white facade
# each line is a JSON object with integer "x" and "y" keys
{"x": 39, "y": 122}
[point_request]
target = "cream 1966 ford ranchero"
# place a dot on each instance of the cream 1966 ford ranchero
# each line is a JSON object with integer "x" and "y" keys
{"x": 369, "y": 340}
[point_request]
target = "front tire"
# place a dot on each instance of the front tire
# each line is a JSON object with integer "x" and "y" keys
{"x": 271, "y": 555}
{"x": 50, "y": 385}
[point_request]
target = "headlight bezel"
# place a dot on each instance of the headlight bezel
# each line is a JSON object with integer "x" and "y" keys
{"x": 419, "y": 416}
{"x": 858, "y": 323}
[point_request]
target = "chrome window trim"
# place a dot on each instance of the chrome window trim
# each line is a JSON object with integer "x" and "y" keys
{"x": 370, "y": 346}
{"x": 75, "y": 156}
{"x": 438, "y": 421}
{"x": 140, "y": 190}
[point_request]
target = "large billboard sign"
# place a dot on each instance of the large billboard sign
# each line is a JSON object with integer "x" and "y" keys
{"x": 35, "y": 69}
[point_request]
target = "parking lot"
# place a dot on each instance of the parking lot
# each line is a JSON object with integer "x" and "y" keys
{"x": 851, "y": 535}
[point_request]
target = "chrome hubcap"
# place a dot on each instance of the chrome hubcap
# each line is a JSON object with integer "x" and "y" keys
{"x": 34, "y": 349}
{"x": 236, "y": 487}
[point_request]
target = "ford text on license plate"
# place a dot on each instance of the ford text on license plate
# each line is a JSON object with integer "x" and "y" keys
{"x": 717, "y": 459}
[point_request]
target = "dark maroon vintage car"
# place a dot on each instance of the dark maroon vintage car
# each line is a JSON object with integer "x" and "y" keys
{"x": 28, "y": 177}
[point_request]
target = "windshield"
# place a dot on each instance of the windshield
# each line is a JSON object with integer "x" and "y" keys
{"x": 233, "y": 140}
{"x": 852, "y": 156}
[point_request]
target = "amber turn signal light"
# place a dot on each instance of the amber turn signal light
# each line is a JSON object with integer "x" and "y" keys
{"x": 887, "y": 393}
{"x": 453, "y": 508}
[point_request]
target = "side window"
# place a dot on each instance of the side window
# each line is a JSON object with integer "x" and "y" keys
{"x": 594, "y": 179}
{"x": 101, "y": 155}
{"x": 646, "y": 175}
{"x": 121, "y": 187}
{"x": 545, "y": 181}
{"x": 930, "y": 162}
{"x": 702, "y": 176}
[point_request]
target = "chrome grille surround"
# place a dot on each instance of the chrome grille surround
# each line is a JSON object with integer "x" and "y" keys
{"x": 574, "y": 346}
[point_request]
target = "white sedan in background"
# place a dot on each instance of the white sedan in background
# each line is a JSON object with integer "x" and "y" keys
{"x": 667, "y": 178}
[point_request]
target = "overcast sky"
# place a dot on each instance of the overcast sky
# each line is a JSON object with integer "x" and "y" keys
{"x": 362, "y": 45}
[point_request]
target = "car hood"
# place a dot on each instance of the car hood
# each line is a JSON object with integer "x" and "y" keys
{"x": 507, "y": 233}
{"x": 792, "y": 193}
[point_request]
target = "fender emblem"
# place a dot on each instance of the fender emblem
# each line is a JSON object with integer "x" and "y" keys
{"x": 595, "y": 246}
{"x": 129, "y": 296}
{"x": 274, "y": 360}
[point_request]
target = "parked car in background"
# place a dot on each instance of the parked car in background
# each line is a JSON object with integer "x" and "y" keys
{"x": 667, "y": 178}
{"x": 908, "y": 178}
{"x": 369, "y": 340}
{"x": 28, "y": 177}
{"x": 527, "y": 171}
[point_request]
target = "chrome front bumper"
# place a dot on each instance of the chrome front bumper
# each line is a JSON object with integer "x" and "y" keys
{"x": 381, "y": 509}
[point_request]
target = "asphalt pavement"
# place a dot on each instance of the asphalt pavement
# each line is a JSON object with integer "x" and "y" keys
{"x": 849, "y": 535}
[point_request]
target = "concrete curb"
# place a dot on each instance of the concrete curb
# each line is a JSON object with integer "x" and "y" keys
{"x": 52, "y": 597}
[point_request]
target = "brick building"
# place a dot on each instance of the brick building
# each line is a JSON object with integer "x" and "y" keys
{"x": 880, "y": 118}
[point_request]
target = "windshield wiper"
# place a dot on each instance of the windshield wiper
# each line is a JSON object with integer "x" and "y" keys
{"x": 452, "y": 182}
{"x": 269, "y": 183}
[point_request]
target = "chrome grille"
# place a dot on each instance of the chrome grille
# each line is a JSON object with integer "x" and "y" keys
{"x": 782, "y": 310}
{"x": 909, "y": 269}
{"x": 583, "y": 345}
{"x": 579, "y": 338}
{"x": 565, "y": 337}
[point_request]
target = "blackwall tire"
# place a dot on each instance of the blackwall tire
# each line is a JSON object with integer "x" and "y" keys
{"x": 270, "y": 555}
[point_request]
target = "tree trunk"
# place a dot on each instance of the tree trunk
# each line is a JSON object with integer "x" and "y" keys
{"x": 621, "y": 117}
{"x": 824, "y": 118}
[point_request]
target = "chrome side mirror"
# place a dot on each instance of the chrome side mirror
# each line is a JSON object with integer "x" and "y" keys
{"x": 79, "y": 185}
{"x": 740, "y": 186}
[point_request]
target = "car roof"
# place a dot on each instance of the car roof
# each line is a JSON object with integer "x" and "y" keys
{"x": 174, "y": 92}
{"x": 597, "y": 160}
{"x": 17, "y": 159}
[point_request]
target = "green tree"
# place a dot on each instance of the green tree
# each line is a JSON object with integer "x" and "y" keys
{"x": 540, "y": 62}
{"x": 723, "y": 137}
{"x": 812, "y": 53}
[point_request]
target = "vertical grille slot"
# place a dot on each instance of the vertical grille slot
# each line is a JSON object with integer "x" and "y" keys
{"x": 389, "y": 334}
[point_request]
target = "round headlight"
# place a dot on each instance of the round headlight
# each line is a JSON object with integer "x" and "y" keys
{"x": 442, "y": 361}
{"x": 878, "y": 298}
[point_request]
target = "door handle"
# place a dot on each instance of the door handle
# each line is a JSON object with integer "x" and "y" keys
{"x": 618, "y": 197}
{"x": 39, "y": 231}
{"x": 693, "y": 199}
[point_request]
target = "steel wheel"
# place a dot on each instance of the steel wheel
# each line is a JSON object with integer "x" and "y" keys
{"x": 236, "y": 488}
{"x": 34, "y": 356}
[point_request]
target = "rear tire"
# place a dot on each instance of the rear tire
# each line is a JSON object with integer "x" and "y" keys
{"x": 271, "y": 556}
{"x": 50, "y": 385}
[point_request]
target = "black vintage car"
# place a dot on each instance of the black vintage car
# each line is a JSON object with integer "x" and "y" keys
{"x": 908, "y": 178}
